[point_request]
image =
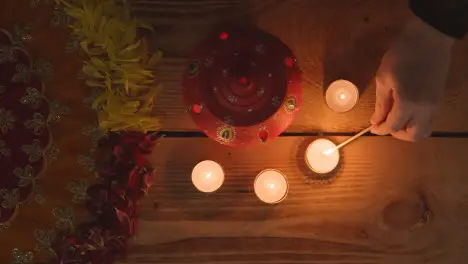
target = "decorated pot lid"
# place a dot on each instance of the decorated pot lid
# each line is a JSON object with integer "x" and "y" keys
{"x": 242, "y": 86}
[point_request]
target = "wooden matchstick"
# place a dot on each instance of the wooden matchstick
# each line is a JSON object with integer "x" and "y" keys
{"x": 349, "y": 140}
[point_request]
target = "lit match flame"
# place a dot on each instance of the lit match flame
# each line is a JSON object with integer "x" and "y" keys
{"x": 329, "y": 151}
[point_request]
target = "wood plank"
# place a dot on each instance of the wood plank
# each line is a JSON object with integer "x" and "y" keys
{"x": 332, "y": 39}
{"x": 391, "y": 202}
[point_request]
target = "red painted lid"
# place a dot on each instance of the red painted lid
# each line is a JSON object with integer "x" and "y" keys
{"x": 242, "y": 86}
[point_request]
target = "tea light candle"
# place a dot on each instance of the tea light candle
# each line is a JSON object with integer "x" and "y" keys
{"x": 271, "y": 186}
{"x": 341, "y": 96}
{"x": 321, "y": 157}
{"x": 207, "y": 176}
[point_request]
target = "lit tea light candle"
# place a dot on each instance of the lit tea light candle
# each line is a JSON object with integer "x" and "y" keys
{"x": 207, "y": 176}
{"x": 322, "y": 156}
{"x": 271, "y": 186}
{"x": 342, "y": 96}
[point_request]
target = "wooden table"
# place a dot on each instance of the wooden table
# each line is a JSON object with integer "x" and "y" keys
{"x": 391, "y": 202}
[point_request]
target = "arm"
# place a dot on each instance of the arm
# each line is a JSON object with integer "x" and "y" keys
{"x": 413, "y": 72}
{"x": 448, "y": 16}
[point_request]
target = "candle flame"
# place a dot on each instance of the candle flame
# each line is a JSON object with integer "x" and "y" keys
{"x": 342, "y": 96}
{"x": 208, "y": 175}
{"x": 271, "y": 185}
{"x": 328, "y": 152}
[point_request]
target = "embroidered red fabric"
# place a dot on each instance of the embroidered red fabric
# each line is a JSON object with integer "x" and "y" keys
{"x": 24, "y": 134}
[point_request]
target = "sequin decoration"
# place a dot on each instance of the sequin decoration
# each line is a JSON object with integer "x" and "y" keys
{"x": 23, "y": 74}
{"x": 58, "y": 110}
{"x": 226, "y": 134}
{"x": 22, "y": 34}
{"x": 21, "y": 257}
{"x": 26, "y": 175}
{"x": 65, "y": 218}
{"x": 78, "y": 189}
{"x": 7, "y": 120}
{"x": 193, "y": 68}
{"x": 32, "y": 98}
{"x": 263, "y": 135}
{"x": 289, "y": 62}
{"x": 37, "y": 124}
{"x": 223, "y": 35}
{"x": 290, "y": 104}
{"x": 196, "y": 108}
{"x": 44, "y": 240}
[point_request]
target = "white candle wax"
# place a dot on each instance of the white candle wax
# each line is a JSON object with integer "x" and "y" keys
{"x": 341, "y": 96}
{"x": 207, "y": 176}
{"x": 271, "y": 186}
{"x": 321, "y": 156}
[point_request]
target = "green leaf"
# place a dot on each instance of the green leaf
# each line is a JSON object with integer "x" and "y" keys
{"x": 137, "y": 86}
{"x": 136, "y": 59}
{"x": 84, "y": 45}
{"x": 95, "y": 51}
{"x": 99, "y": 100}
{"x": 91, "y": 71}
{"x": 155, "y": 58}
{"x": 94, "y": 83}
{"x": 132, "y": 47}
{"x": 99, "y": 64}
{"x": 108, "y": 82}
{"x": 144, "y": 25}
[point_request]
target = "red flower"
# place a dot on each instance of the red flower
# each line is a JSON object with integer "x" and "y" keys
{"x": 114, "y": 203}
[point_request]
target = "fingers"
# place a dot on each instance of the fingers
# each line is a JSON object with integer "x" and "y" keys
{"x": 399, "y": 116}
{"x": 418, "y": 128}
{"x": 383, "y": 103}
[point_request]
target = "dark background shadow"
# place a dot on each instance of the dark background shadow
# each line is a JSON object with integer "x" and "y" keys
{"x": 355, "y": 57}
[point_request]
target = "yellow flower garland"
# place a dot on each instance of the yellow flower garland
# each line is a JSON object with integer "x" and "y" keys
{"x": 118, "y": 63}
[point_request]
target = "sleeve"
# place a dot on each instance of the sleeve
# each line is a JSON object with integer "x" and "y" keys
{"x": 448, "y": 16}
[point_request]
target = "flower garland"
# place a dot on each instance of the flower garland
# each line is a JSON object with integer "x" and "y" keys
{"x": 113, "y": 203}
{"x": 118, "y": 67}
{"x": 118, "y": 64}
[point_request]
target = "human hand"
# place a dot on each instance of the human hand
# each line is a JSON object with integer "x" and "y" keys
{"x": 410, "y": 82}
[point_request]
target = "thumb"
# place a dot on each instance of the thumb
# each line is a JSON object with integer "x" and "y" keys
{"x": 383, "y": 103}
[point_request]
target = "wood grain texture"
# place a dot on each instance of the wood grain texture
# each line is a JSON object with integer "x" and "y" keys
{"x": 391, "y": 202}
{"x": 332, "y": 39}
